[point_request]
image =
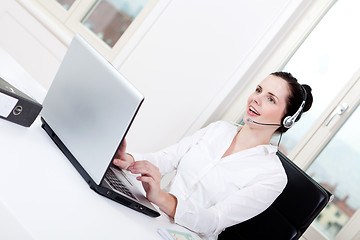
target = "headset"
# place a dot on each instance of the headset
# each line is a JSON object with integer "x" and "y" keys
{"x": 288, "y": 121}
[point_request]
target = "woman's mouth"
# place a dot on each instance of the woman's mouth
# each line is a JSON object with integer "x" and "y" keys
{"x": 253, "y": 111}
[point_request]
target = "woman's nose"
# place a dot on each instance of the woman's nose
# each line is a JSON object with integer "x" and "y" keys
{"x": 257, "y": 100}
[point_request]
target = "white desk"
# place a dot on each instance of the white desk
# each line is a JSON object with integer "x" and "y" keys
{"x": 45, "y": 194}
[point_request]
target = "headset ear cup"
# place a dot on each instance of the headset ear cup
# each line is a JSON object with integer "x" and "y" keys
{"x": 288, "y": 122}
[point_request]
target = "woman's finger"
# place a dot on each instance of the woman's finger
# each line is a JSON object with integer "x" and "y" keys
{"x": 122, "y": 150}
{"x": 144, "y": 168}
{"x": 151, "y": 187}
{"x": 120, "y": 163}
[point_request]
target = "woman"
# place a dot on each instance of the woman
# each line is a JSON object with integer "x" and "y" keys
{"x": 225, "y": 174}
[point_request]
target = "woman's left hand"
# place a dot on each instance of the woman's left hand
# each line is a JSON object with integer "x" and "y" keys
{"x": 150, "y": 178}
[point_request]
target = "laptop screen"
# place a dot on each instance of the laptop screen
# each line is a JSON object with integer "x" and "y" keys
{"x": 90, "y": 107}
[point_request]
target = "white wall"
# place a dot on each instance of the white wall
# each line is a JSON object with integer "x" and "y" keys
{"x": 195, "y": 57}
{"x": 29, "y": 42}
{"x": 192, "y": 59}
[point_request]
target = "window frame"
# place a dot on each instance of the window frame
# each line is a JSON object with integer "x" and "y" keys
{"x": 71, "y": 20}
{"x": 278, "y": 58}
{"x": 58, "y": 11}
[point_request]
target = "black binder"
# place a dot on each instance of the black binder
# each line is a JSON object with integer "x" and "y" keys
{"x": 16, "y": 106}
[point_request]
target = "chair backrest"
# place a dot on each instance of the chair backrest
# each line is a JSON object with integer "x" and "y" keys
{"x": 291, "y": 213}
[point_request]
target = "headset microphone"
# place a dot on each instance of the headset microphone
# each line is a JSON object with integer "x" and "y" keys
{"x": 266, "y": 124}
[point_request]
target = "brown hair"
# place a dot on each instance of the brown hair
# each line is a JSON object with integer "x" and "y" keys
{"x": 295, "y": 97}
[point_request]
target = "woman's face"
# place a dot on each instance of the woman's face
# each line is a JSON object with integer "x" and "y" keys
{"x": 267, "y": 103}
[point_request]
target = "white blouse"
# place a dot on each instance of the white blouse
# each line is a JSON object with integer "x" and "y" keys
{"x": 214, "y": 192}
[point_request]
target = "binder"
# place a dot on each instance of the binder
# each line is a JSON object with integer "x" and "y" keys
{"x": 16, "y": 106}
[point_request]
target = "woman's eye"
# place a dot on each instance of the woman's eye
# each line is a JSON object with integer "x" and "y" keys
{"x": 258, "y": 90}
{"x": 271, "y": 99}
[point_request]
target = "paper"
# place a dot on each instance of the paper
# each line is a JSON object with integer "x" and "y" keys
{"x": 7, "y": 104}
{"x": 169, "y": 234}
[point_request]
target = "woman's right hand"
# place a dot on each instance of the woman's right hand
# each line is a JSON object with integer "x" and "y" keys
{"x": 123, "y": 159}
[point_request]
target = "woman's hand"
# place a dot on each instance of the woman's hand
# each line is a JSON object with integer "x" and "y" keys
{"x": 123, "y": 159}
{"x": 150, "y": 178}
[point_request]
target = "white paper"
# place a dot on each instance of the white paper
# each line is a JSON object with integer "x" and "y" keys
{"x": 7, "y": 104}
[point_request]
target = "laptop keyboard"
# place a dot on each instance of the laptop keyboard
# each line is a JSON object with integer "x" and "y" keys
{"x": 117, "y": 184}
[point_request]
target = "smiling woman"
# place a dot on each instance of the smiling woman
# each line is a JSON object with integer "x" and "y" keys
{"x": 298, "y": 100}
{"x": 267, "y": 104}
{"x": 224, "y": 174}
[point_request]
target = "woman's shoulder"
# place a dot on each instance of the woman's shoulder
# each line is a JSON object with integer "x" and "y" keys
{"x": 222, "y": 125}
{"x": 219, "y": 129}
{"x": 276, "y": 169}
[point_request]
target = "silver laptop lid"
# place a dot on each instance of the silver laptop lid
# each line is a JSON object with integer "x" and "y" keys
{"x": 90, "y": 107}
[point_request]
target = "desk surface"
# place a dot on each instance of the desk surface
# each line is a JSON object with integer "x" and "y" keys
{"x": 47, "y": 196}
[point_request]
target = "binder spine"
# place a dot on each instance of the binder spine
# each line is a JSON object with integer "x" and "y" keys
{"x": 16, "y": 106}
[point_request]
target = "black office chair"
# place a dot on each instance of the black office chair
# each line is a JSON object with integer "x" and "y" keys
{"x": 290, "y": 215}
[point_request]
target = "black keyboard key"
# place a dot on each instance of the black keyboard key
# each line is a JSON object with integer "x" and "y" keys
{"x": 117, "y": 184}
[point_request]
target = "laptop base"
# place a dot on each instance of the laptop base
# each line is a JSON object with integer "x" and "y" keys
{"x": 102, "y": 190}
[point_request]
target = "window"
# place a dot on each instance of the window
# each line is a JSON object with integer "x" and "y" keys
{"x": 109, "y": 19}
{"x": 66, "y": 4}
{"x": 328, "y": 62}
{"x": 106, "y": 24}
{"x": 337, "y": 168}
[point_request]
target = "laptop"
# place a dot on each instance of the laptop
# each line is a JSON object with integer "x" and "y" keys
{"x": 87, "y": 112}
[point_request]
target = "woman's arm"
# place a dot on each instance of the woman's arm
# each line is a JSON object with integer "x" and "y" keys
{"x": 238, "y": 207}
{"x": 167, "y": 159}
